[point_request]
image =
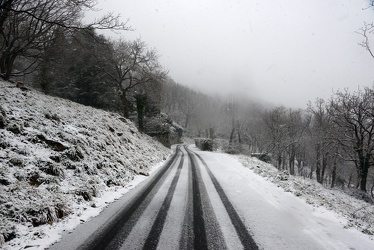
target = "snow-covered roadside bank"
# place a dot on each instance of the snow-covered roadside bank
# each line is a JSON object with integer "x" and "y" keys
{"x": 358, "y": 213}
{"x": 43, "y": 236}
{"x": 61, "y": 163}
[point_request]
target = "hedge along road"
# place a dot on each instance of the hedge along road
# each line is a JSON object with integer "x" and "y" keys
{"x": 171, "y": 210}
{"x": 205, "y": 200}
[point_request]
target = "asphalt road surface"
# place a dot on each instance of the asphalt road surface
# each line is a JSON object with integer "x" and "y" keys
{"x": 196, "y": 201}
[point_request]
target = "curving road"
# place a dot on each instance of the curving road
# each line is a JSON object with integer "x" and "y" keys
{"x": 196, "y": 201}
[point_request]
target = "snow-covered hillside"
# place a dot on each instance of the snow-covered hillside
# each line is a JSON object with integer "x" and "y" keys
{"x": 57, "y": 158}
{"x": 355, "y": 206}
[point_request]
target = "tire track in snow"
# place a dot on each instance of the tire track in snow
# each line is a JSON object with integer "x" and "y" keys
{"x": 202, "y": 229}
{"x": 115, "y": 232}
{"x": 156, "y": 230}
{"x": 241, "y": 230}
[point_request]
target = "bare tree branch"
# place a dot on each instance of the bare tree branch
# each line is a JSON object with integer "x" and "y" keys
{"x": 26, "y": 26}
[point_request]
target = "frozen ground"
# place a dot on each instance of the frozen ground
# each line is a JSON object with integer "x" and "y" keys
{"x": 61, "y": 162}
{"x": 358, "y": 213}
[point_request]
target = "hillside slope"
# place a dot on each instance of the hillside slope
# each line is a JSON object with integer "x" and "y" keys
{"x": 356, "y": 207}
{"x": 57, "y": 157}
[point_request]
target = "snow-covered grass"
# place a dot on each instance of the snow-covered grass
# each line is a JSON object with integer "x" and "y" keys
{"x": 61, "y": 161}
{"x": 359, "y": 213}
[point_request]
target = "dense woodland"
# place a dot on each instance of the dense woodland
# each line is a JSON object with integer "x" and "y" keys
{"x": 46, "y": 45}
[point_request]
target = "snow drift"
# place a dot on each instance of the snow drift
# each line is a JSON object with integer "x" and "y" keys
{"x": 57, "y": 157}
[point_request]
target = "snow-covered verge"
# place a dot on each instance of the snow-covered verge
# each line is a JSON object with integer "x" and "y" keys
{"x": 62, "y": 161}
{"x": 359, "y": 213}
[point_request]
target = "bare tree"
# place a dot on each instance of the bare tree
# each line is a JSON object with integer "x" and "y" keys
{"x": 231, "y": 111}
{"x": 366, "y": 32}
{"x": 188, "y": 104}
{"x": 275, "y": 122}
{"x": 295, "y": 127}
{"x": 320, "y": 137}
{"x": 353, "y": 116}
{"x": 133, "y": 64}
{"x": 27, "y": 26}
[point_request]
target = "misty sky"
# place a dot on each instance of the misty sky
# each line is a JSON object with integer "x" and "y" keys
{"x": 281, "y": 51}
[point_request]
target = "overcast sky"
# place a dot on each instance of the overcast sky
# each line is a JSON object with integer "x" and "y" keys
{"x": 281, "y": 51}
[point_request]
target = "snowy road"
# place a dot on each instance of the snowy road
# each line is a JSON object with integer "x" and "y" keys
{"x": 204, "y": 200}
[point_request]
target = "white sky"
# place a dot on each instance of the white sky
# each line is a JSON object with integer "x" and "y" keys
{"x": 281, "y": 51}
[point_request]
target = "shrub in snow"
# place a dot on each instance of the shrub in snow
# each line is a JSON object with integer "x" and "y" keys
{"x": 3, "y": 143}
{"x": 3, "y": 121}
{"x": 86, "y": 194}
{"x": 282, "y": 176}
{"x": 90, "y": 170}
{"x": 53, "y": 117}
{"x": 232, "y": 148}
{"x": 55, "y": 158}
{"x": 14, "y": 127}
{"x": 102, "y": 164}
{"x": 51, "y": 168}
{"x": 22, "y": 151}
{"x": 6, "y": 233}
{"x": 42, "y": 216}
{"x": 16, "y": 162}
{"x": 262, "y": 157}
{"x": 53, "y": 144}
{"x": 73, "y": 153}
{"x": 34, "y": 178}
{"x": 359, "y": 194}
{"x": 4, "y": 181}
{"x": 205, "y": 144}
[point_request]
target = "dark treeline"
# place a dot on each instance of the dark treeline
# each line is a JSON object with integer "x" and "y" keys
{"x": 44, "y": 43}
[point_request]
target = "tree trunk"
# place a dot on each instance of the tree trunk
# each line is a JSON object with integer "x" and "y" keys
{"x": 279, "y": 160}
{"x": 318, "y": 163}
{"x": 349, "y": 180}
{"x": 311, "y": 173}
{"x": 362, "y": 169}
{"x": 324, "y": 165}
{"x": 291, "y": 159}
{"x": 6, "y": 64}
{"x": 141, "y": 103}
{"x": 187, "y": 121}
{"x": 211, "y": 133}
{"x": 125, "y": 105}
{"x": 232, "y": 132}
{"x": 333, "y": 173}
{"x": 238, "y": 132}
{"x": 364, "y": 176}
{"x": 232, "y": 135}
{"x": 239, "y": 137}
